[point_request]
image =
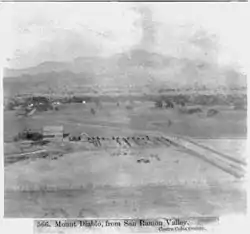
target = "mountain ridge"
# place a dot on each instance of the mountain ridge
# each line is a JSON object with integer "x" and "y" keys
{"x": 138, "y": 67}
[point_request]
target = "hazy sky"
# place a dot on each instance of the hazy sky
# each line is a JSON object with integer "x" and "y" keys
{"x": 38, "y": 32}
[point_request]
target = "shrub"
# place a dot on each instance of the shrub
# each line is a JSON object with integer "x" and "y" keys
{"x": 168, "y": 104}
{"x": 92, "y": 110}
{"x": 194, "y": 110}
{"x": 28, "y": 135}
{"x": 158, "y": 104}
{"x": 129, "y": 107}
{"x": 212, "y": 112}
{"x": 190, "y": 111}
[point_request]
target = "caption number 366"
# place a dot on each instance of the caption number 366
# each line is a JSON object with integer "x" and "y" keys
{"x": 43, "y": 224}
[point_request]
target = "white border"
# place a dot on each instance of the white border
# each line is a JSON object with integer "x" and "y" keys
{"x": 230, "y": 224}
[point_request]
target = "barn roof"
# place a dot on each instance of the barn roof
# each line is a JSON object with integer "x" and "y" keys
{"x": 53, "y": 131}
{"x": 53, "y": 128}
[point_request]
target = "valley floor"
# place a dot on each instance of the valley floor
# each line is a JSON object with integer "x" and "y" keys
{"x": 106, "y": 183}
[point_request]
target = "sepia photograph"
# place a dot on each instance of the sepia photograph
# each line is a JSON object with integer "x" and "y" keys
{"x": 117, "y": 110}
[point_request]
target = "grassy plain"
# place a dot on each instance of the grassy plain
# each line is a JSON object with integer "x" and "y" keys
{"x": 97, "y": 183}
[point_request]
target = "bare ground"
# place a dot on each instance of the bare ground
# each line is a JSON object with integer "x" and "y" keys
{"x": 102, "y": 185}
{"x": 109, "y": 183}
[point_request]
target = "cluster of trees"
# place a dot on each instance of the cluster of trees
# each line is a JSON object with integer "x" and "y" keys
{"x": 168, "y": 101}
{"x": 27, "y": 134}
{"x": 161, "y": 101}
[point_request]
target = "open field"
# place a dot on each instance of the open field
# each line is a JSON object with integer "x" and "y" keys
{"x": 101, "y": 185}
{"x": 106, "y": 182}
{"x": 226, "y": 124}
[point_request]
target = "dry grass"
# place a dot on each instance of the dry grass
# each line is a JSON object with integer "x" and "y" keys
{"x": 177, "y": 184}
